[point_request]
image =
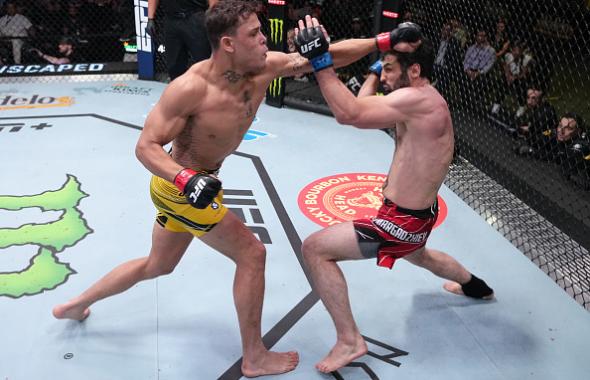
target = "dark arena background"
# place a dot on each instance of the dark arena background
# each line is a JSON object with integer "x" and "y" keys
{"x": 516, "y": 77}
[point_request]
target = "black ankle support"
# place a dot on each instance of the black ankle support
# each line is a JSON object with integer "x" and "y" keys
{"x": 476, "y": 288}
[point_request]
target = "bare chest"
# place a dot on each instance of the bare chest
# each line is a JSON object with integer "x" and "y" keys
{"x": 218, "y": 127}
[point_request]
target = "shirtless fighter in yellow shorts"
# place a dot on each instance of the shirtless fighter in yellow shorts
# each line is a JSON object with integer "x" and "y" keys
{"x": 205, "y": 113}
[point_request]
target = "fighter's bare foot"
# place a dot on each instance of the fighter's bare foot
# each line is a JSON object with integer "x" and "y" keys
{"x": 70, "y": 310}
{"x": 271, "y": 363}
{"x": 342, "y": 354}
{"x": 455, "y": 287}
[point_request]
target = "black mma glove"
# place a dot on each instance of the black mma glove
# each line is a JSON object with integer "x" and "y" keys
{"x": 312, "y": 44}
{"x": 405, "y": 32}
{"x": 150, "y": 28}
{"x": 199, "y": 189}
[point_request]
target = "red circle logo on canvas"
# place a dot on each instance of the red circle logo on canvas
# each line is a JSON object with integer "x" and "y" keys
{"x": 342, "y": 197}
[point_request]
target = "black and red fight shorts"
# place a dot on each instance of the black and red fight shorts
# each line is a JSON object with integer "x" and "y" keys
{"x": 394, "y": 232}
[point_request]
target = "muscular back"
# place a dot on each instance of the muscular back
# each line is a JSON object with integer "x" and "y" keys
{"x": 423, "y": 152}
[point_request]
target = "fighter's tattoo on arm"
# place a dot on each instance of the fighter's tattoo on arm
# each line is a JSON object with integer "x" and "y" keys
{"x": 297, "y": 63}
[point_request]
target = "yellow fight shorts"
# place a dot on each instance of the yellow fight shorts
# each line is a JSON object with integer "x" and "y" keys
{"x": 177, "y": 215}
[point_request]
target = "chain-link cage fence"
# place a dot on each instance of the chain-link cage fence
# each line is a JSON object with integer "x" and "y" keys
{"x": 67, "y": 37}
{"x": 516, "y": 76}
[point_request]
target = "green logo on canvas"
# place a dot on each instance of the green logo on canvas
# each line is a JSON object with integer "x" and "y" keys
{"x": 45, "y": 270}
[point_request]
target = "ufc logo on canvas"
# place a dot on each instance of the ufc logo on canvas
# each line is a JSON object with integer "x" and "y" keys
{"x": 310, "y": 45}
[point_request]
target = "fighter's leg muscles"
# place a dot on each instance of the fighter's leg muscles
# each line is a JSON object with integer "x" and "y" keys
{"x": 445, "y": 266}
{"x": 439, "y": 263}
{"x": 233, "y": 239}
{"x": 321, "y": 250}
{"x": 166, "y": 251}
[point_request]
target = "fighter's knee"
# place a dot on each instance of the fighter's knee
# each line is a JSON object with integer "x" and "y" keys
{"x": 153, "y": 270}
{"x": 259, "y": 252}
{"x": 310, "y": 248}
{"x": 166, "y": 270}
{"x": 254, "y": 254}
{"x": 421, "y": 257}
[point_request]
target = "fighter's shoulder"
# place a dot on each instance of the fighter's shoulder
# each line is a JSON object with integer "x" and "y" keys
{"x": 190, "y": 84}
{"x": 405, "y": 95}
{"x": 184, "y": 93}
{"x": 417, "y": 98}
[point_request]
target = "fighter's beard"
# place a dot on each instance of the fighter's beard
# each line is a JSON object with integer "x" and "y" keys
{"x": 403, "y": 81}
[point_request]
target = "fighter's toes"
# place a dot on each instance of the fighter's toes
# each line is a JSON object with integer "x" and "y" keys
{"x": 69, "y": 310}
{"x": 271, "y": 363}
{"x": 453, "y": 287}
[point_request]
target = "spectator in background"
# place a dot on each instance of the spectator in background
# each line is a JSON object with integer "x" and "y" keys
{"x": 49, "y": 17}
{"x": 447, "y": 62}
{"x": 357, "y": 29}
{"x": 352, "y": 73}
{"x": 500, "y": 41}
{"x": 66, "y": 53}
{"x": 479, "y": 60}
{"x": 408, "y": 16}
{"x": 569, "y": 147}
{"x": 74, "y": 24}
{"x": 458, "y": 31}
{"x": 303, "y": 10}
{"x": 532, "y": 124}
{"x": 515, "y": 70}
{"x": 15, "y": 25}
{"x": 480, "y": 56}
{"x": 316, "y": 10}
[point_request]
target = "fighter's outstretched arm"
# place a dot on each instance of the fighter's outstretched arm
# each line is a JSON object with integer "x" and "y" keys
{"x": 343, "y": 54}
{"x": 165, "y": 121}
{"x": 366, "y": 112}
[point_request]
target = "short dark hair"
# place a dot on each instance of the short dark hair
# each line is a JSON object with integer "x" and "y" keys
{"x": 65, "y": 40}
{"x": 580, "y": 123}
{"x": 423, "y": 56}
{"x": 225, "y": 17}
